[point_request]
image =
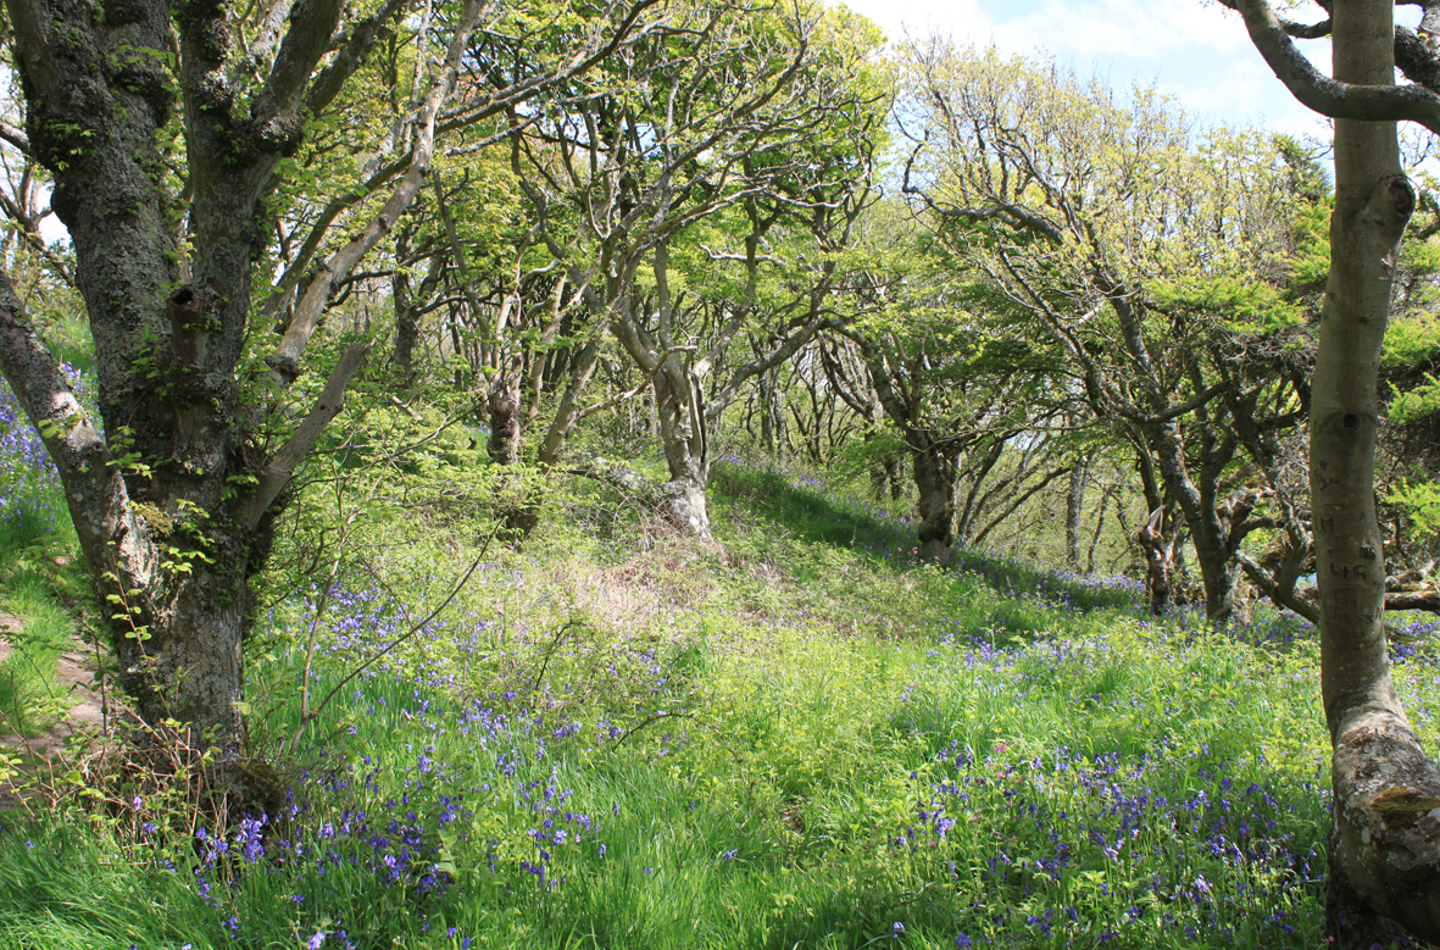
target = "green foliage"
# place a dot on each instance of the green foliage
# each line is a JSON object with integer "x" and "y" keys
{"x": 1420, "y": 500}
{"x": 1411, "y": 340}
{"x": 1416, "y": 403}
{"x": 29, "y": 699}
{"x": 795, "y": 736}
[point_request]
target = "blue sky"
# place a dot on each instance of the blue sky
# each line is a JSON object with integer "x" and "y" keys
{"x": 1194, "y": 50}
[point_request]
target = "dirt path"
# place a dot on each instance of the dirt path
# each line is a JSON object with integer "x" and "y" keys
{"x": 74, "y": 681}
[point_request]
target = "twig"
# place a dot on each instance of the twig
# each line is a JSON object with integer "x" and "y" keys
{"x": 555, "y": 645}
{"x": 459, "y": 585}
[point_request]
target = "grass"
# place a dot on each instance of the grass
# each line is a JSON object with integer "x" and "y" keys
{"x": 792, "y": 737}
{"x": 29, "y": 700}
{"x": 37, "y": 546}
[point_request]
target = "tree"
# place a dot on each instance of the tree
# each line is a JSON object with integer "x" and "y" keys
{"x": 165, "y": 131}
{"x": 1150, "y": 260}
{"x": 1385, "y": 840}
{"x": 971, "y": 400}
{"x": 736, "y": 154}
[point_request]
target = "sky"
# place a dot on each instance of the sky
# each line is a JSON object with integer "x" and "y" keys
{"x": 1194, "y": 50}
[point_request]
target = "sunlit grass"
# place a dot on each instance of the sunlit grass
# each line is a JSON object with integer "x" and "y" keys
{"x": 783, "y": 739}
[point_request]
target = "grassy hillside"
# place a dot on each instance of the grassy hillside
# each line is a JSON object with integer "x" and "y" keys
{"x": 793, "y": 736}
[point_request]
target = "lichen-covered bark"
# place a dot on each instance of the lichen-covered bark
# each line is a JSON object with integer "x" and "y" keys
{"x": 685, "y": 436}
{"x": 169, "y": 503}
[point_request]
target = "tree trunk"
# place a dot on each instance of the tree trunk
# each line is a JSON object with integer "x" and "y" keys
{"x": 1386, "y": 834}
{"x": 568, "y": 412}
{"x": 1218, "y": 568}
{"x": 685, "y": 437}
{"x": 518, "y": 508}
{"x": 1159, "y": 550}
{"x": 503, "y": 405}
{"x": 407, "y": 314}
{"x": 935, "y": 482}
{"x": 1074, "y": 511}
{"x": 171, "y": 505}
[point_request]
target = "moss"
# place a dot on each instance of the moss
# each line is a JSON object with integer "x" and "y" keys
{"x": 1402, "y": 807}
{"x": 159, "y": 520}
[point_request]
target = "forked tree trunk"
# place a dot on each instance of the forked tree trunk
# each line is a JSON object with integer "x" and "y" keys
{"x": 1195, "y": 492}
{"x": 1159, "y": 550}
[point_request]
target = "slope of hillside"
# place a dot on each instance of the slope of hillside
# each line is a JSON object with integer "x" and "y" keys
{"x": 792, "y": 736}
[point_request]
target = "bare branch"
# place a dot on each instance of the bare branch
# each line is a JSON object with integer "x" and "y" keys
{"x": 632, "y": 393}
{"x": 1327, "y": 96}
{"x": 285, "y": 361}
{"x": 15, "y": 137}
{"x": 353, "y": 47}
{"x": 281, "y": 466}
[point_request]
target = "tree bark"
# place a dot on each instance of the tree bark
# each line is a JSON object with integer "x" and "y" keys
{"x": 1159, "y": 550}
{"x": 1385, "y": 838}
{"x": 1074, "y": 510}
{"x": 685, "y": 436}
{"x": 171, "y": 505}
{"x": 935, "y": 481}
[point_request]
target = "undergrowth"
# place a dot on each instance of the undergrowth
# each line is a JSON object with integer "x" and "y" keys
{"x": 793, "y": 736}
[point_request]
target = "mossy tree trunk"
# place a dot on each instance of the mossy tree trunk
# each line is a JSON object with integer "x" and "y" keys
{"x": 171, "y": 503}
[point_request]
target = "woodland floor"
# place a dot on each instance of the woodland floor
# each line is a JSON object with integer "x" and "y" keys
{"x": 73, "y": 691}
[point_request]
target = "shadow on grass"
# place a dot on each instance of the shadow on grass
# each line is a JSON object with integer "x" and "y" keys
{"x": 803, "y": 507}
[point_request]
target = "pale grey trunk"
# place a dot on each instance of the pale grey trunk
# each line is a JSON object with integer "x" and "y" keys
{"x": 684, "y": 434}
{"x": 1385, "y": 842}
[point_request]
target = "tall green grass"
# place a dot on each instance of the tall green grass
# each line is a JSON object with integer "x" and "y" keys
{"x": 792, "y": 737}
{"x": 37, "y": 551}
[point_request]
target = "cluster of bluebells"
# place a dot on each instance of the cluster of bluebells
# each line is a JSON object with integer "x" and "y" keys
{"x": 1182, "y": 843}
{"x": 30, "y": 491}
{"x": 630, "y": 680}
{"x": 1408, "y": 642}
{"x": 480, "y": 789}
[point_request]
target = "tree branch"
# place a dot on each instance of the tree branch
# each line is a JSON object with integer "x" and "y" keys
{"x": 1329, "y": 97}
{"x": 632, "y": 393}
{"x": 285, "y": 361}
{"x": 281, "y": 466}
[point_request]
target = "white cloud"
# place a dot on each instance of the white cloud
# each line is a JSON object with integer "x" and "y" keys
{"x": 961, "y": 20}
{"x": 1194, "y": 50}
{"x": 1144, "y": 30}
{"x": 1246, "y": 92}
